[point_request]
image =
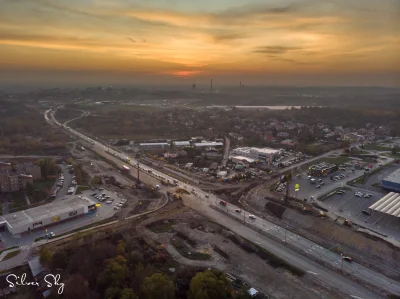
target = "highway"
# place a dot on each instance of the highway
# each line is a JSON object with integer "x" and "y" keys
{"x": 311, "y": 251}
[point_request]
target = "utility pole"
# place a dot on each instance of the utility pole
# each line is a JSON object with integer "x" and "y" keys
{"x": 138, "y": 179}
{"x": 341, "y": 267}
{"x": 285, "y": 232}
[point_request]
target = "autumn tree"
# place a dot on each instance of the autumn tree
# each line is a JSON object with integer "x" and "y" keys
{"x": 45, "y": 256}
{"x": 158, "y": 286}
{"x": 209, "y": 285}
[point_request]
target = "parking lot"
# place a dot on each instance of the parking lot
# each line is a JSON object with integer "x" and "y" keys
{"x": 351, "y": 207}
{"x": 109, "y": 203}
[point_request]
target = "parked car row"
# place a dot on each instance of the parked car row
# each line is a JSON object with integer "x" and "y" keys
{"x": 365, "y": 195}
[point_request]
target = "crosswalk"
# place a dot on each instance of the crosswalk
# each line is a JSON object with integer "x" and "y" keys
{"x": 25, "y": 247}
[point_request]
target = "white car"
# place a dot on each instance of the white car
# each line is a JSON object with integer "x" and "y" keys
{"x": 109, "y": 201}
{"x": 251, "y": 216}
{"x": 359, "y": 195}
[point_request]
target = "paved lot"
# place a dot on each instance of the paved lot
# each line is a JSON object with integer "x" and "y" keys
{"x": 350, "y": 206}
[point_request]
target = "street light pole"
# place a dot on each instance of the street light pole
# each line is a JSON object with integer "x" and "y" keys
{"x": 341, "y": 267}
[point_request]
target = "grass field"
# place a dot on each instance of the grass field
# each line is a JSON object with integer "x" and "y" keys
{"x": 19, "y": 201}
{"x": 43, "y": 184}
{"x": 376, "y": 147}
{"x": 333, "y": 160}
{"x": 11, "y": 255}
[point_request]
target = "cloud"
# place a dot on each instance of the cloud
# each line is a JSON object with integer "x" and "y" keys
{"x": 275, "y": 49}
{"x": 228, "y": 37}
{"x": 132, "y": 40}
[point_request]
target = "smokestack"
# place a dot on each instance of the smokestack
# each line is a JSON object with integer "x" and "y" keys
{"x": 211, "y": 83}
{"x": 240, "y": 83}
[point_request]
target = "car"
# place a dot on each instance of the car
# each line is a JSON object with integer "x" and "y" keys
{"x": 380, "y": 164}
{"x": 101, "y": 189}
{"x": 80, "y": 197}
{"x": 322, "y": 183}
{"x": 207, "y": 196}
{"x": 347, "y": 259}
{"x": 119, "y": 205}
{"x": 366, "y": 195}
{"x": 339, "y": 192}
{"x": 116, "y": 208}
{"x": 309, "y": 177}
{"x": 93, "y": 194}
{"x": 238, "y": 210}
{"x": 359, "y": 195}
{"x": 251, "y": 216}
{"x": 318, "y": 186}
{"x": 109, "y": 201}
{"x": 366, "y": 212}
{"x": 50, "y": 235}
{"x": 222, "y": 202}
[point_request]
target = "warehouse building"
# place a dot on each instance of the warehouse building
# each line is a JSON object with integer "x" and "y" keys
{"x": 261, "y": 154}
{"x": 181, "y": 143}
{"x": 42, "y": 216}
{"x": 154, "y": 145}
{"x": 389, "y": 204}
{"x": 392, "y": 181}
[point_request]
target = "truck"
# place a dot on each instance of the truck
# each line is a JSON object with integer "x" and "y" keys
{"x": 125, "y": 169}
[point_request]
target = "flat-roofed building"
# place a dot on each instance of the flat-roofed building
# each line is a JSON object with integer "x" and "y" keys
{"x": 392, "y": 181}
{"x": 41, "y": 216}
{"x": 181, "y": 143}
{"x": 208, "y": 144}
{"x": 262, "y": 154}
{"x": 154, "y": 145}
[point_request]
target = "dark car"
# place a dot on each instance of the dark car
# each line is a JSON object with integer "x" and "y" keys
{"x": 366, "y": 212}
{"x": 224, "y": 203}
{"x": 347, "y": 259}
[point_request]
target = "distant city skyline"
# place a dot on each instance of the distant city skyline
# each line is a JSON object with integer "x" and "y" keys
{"x": 176, "y": 42}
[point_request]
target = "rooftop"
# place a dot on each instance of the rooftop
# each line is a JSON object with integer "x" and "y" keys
{"x": 389, "y": 204}
{"x": 44, "y": 212}
{"x": 209, "y": 144}
{"x": 393, "y": 177}
{"x": 154, "y": 143}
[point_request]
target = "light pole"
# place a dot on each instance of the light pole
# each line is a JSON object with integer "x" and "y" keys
{"x": 341, "y": 267}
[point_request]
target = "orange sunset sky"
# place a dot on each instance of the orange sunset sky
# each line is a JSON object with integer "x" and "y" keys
{"x": 314, "y": 42}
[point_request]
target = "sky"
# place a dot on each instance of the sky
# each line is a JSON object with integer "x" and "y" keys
{"x": 264, "y": 42}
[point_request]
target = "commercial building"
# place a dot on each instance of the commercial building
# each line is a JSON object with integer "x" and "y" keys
{"x": 157, "y": 145}
{"x": 181, "y": 143}
{"x": 261, "y": 154}
{"x": 389, "y": 204}
{"x": 322, "y": 169}
{"x": 208, "y": 144}
{"x": 392, "y": 181}
{"x": 42, "y": 216}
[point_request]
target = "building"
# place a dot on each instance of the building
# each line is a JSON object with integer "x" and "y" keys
{"x": 181, "y": 143}
{"x": 157, "y": 145}
{"x": 208, "y": 144}
{"x": 389, "y": 204}
{"x": 261, "y": 154}
{"x": 41, "y": 216}
{"x": 322, "y": 169}
{"x": 392, "y": 181}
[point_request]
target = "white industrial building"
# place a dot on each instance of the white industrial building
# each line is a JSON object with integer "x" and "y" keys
{"x": 262, "y": 154}
{"x": 209, "y": 144}
{"x": 181, "y": 143}
{"x": 389, "y": 204}
{"x": 41, "y": 216}
{"x": 154, "y": 145}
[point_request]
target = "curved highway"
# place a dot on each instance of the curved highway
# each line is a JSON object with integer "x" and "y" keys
{"x": 310, "y": 251}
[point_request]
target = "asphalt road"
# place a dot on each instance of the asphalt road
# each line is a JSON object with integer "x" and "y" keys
{"x": 329, "y": 277}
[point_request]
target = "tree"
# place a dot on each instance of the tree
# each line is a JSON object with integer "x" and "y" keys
{"x": 209, "y": 285}
{"x": 45, "y": 256}
{"x": 394, "y": 150}
{"x": 115, "y": 272}
{"x": 59, "y": 260}
{"x": 158, "y": 286}
{"x": 77, "y": 287}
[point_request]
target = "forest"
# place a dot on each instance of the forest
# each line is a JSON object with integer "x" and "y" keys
{"x": 126, "y": 267}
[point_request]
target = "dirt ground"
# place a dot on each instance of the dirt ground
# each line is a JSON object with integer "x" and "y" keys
{"x": 276, "y": 283}
{"x": 375, "y": 254}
